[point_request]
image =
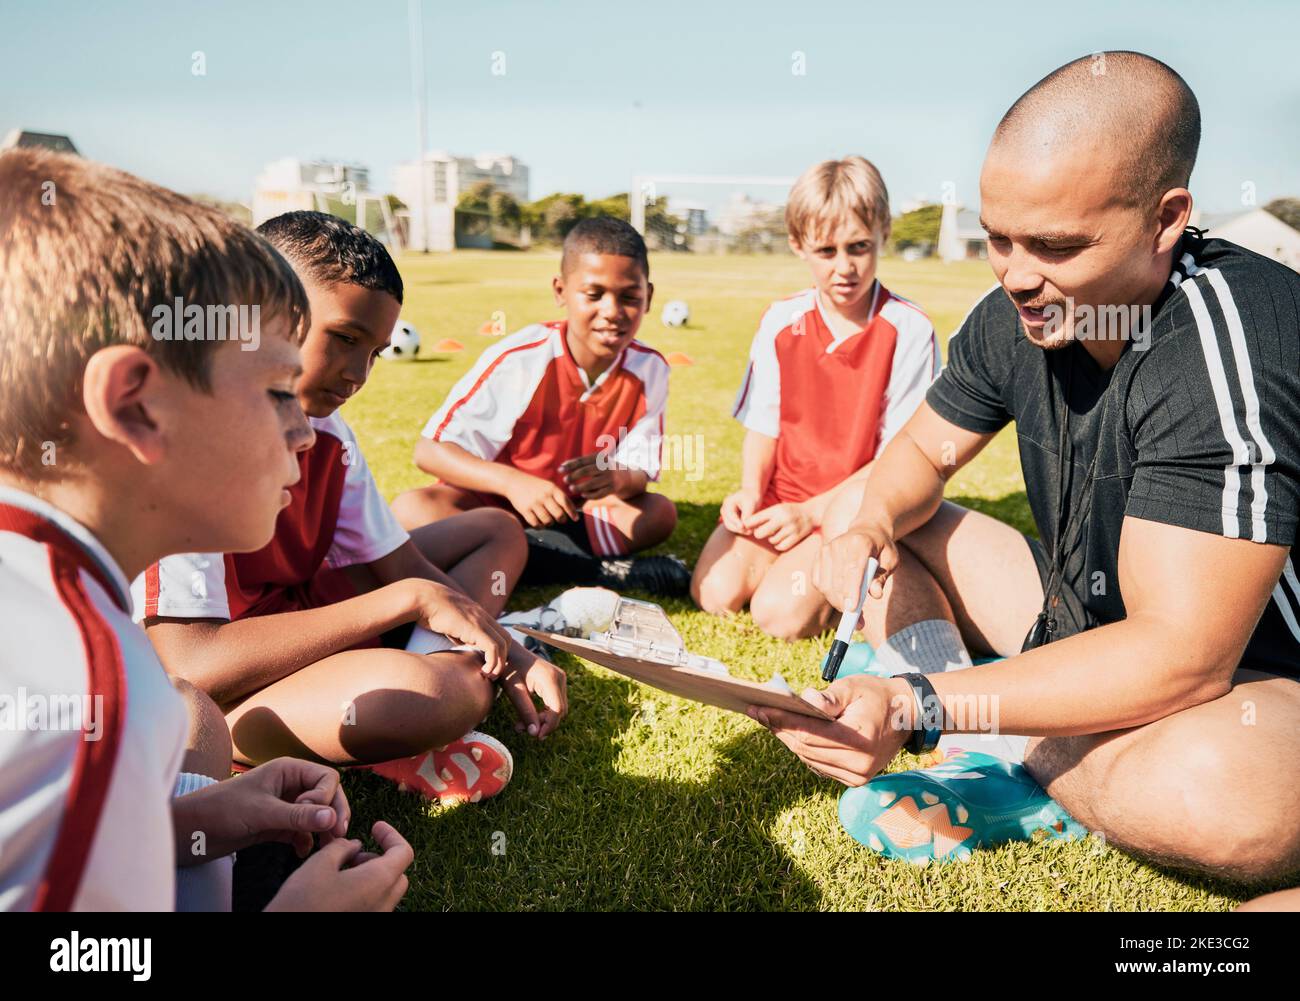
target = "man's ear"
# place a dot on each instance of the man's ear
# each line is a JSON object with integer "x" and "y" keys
{"x": 120, "y": 395}
{"x": 649, "y": 295}
{"x": 1171, "y": 218}
{"x": 557, "y": 286}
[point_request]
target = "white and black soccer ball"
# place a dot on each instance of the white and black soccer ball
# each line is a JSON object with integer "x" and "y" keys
{"x": 676, "y": 313}
{"x": 404, "y": 345}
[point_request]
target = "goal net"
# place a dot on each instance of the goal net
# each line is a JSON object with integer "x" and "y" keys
{"x": 711, "y": 214}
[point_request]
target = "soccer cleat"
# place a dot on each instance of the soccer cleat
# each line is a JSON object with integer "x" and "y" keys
{"x": 468, "y": 770}
{"x": 661, "y": 575}
{"x": 969, "y": 801}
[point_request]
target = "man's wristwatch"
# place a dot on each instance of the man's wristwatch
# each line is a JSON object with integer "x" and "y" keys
{"x": 927, "y": 722}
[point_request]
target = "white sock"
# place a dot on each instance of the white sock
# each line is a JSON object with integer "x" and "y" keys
{"x": 931, "y": 646}
{"x": 934, "y": 646}
{"x": 207, "y": 886}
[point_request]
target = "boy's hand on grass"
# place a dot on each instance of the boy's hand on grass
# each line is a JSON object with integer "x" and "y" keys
{"x": 547, "y": 682}
{"x": 784, "y": 526}
{"x": 456, "y": 615}
{"x": 341, "y": 877}
{"x": 286, "y": 800}
{"x": 738, "y": 508}
{"x": 861, "y": 740}
{"x": 540, "y": 501}
{"x": 838, "y": 571}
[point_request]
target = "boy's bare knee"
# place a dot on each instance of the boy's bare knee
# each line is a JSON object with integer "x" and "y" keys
{"x": 410, "y": 508}
{"x": 781, "y": 616}
{"x": 208, "y": 749}
{"x": 713, "y": 593}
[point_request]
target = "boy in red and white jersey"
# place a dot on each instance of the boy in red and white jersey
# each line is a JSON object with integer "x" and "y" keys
{"x": 562, "y": 423}
{"x": 290, "y": 640}
{"x": 120, "y": 443}
{"x": 834, "y": 372}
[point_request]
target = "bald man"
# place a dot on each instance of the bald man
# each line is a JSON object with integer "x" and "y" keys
{"x": 1152, "y": 638}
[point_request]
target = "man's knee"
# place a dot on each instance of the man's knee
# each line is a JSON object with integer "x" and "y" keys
{"x": 1186, "y": 803}
{"x": 208, "y": 749}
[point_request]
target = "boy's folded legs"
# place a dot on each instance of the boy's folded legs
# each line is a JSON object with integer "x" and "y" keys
{"x": 729, "y": 571}
{"x": 483, "y": 550}
{"x": 362, "y": 707}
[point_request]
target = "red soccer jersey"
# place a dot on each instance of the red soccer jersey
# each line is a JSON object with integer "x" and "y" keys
{"x": 527, "y": 403}
{"x": 832, "y": 404}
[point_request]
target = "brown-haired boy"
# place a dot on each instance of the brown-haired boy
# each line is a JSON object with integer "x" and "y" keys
{"x": 121, "y": 443}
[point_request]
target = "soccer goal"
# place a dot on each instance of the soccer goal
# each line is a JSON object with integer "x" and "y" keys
{"x": 729, "y": 214}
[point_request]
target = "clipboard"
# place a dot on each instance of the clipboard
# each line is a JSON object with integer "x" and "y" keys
{"x": 697, "y": 684}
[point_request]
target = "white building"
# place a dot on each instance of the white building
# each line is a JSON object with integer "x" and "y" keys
{"x": 291, "y": 185}
{"x": 431, "y": 187}
{"x": 961, "y": 237}
{"x": 1257, "y": 230}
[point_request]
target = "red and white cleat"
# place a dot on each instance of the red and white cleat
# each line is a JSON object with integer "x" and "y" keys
{"x": 468, "y": 770}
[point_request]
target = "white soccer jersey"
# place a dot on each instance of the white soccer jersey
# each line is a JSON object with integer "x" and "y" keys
{"x": 528, "y": 404}
{"x": 91, "y": 731}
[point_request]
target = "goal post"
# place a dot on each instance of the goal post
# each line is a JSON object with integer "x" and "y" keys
{"x": 725, "y": 213}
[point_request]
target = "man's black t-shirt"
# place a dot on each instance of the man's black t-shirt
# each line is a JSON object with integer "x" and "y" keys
{"x": 1197, "y": 426}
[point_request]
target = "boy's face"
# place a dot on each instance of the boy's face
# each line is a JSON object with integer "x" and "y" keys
{"x": 605, "y": 297}
{"x": 232, "y": 452}
{"x": 843, "y": 262}
{"x": 350, "y": 325}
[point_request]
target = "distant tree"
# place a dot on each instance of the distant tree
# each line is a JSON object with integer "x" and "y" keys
{"x": 918, "y": 228}
{"x": 505, "y": 211}
{"x": 551, "y": 218}
{"x": 475, "y": 198}
{"x": 1286, "y": 209}
{"x": 615, "y": 206}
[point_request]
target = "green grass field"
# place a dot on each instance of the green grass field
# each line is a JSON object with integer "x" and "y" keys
{"x": 644, "y": 801}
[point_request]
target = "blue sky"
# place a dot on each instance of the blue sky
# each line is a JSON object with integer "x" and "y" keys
{"x": 596, "y": 91}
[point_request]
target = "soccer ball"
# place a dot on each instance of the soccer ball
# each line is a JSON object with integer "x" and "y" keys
{"x": 404, "y": 345}
{"x": 676, "y": 314}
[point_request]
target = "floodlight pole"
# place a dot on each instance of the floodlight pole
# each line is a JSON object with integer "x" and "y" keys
{"x": 415, "y": 11}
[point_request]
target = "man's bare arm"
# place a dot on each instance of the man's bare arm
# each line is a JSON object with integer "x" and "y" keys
{"x": 908, "y": 478}
{"x": 1193, "y": 600}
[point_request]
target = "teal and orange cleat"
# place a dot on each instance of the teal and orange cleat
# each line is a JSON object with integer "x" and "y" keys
{"x": 969, "y": 801}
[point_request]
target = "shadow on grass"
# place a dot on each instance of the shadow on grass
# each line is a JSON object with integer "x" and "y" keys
{"x": 577, "y": 829}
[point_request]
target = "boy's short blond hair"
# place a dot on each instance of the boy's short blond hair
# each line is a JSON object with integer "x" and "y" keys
{"x": 86, "y": 254}
{"x": 831, "y": 191}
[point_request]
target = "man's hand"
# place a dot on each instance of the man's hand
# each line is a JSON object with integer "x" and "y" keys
{"x": 341, "y": 877}
{"x": 869, "y": 727}
{"x": 540, "y": 678}
{"x": 285, "y": 800}
{"x": 540, "y": 501}
{"x": 784, "y": 526}
{"x": 738, "y": 508}
{"x": 842, "y": 563}
{"x": 456, "y": 615}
